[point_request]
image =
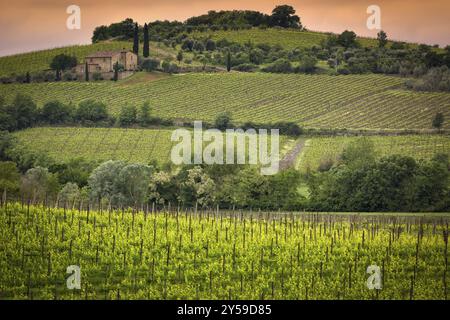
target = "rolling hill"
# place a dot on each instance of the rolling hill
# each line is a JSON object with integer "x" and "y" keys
{"x": 420, "y": 147}
{"x": 102, "y": 144}
{"x": 314, "y": 101}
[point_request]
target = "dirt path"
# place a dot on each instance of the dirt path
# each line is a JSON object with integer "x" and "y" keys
{"x": 289, "y": 159}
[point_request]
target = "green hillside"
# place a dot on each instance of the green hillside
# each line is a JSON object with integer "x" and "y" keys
{"x": 40, "y": 60}
{"x": 317, "y": 149}
{"x": 132, "y": 145}
{"x": 288, "y": 39}
{"x": 321, "y": 101}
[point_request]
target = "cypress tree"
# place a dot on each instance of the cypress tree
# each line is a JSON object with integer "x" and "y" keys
{"x": 136, "y": 39}
{"x": 228, "y": 61}
{"x": 86, "y": 71}
{"x": 146, "y": 42}
{"x": 28, "y": 77}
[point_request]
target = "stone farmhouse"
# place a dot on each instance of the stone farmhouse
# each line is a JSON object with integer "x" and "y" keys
{"x": 103, "y": 62}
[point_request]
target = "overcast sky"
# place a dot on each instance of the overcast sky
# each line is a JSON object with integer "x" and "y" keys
{"x": 27, "y": 25}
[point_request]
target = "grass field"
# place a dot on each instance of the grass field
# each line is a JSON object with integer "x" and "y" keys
{"x": 102, "y": 144}
{"x": 288, "y": 39}
{"x": 216, "y": 255}
{"x": 416, "y": 146}
{"x": 321, "y": 101}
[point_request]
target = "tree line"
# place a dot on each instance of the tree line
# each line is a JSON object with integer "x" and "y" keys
{"x": 282, "y": 16}
{"x": 358, "y": 182}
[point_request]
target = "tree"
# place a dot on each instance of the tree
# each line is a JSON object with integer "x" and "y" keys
{"x": 210, "y": 45}
{"x": 9, "y": 177}
{"x": 223, "y": 121}
{"x": 307, "y": 64}
{"x": 102, "y": 181}
{"x": 228, "y": 61}
{"x": 86, "y": 71}
{"x": 438, "y": 120}
{"x": 54, "y": 112}
{"x": 136, "y": 39}
{"x": 382, "y": 39}
{"x": 69, "y": 194}
{"x": 284, "y": 16}
{"x": 146, "y": 49}
{"x": 180, "y": 56}
{"x": 143, "y": 116}
{"x": 117, "y": 68}
{"x": 38, "y": 184}
{"x": 119, "y": 183}
{"x": 27, "y": 77}
{"x": 359, "y": 153}
{"x": 91, "y": 110}
{"x": 127, "y": 115}
{"x": 132, "y": 184}
{"x": 197, "y": 187}
{"x": 22, "y": 113}
{"x": 62, "y": 62}
{"x": 188, "y": 44}
{"x": 347, "y": 39}
{"x": 150, "y": 64}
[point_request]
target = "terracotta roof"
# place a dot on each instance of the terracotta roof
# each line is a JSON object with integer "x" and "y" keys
{"x": 105, "y": 54}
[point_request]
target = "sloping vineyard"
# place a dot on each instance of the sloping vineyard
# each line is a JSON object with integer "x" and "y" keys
{"x": 317, "y": 149}
{"x": 353, "y": 101}
{"x": 40, "y": 60}
{"x": 213, "y": 255}
{"x": 288, "y": 39}
{"x": 131, "y": 145}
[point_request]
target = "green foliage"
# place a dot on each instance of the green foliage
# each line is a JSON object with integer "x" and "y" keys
{"x": 327, "y": 102}
{"x": 180, "y": 56}
{"x": 436, "y": 79}
{"x": 438, "y": 120}
{"x": 395, "y": 183}
{"x": 307, "y": 64}
{"x": 382, "y": 39}
{"x": 117, "y": 68}
{"x": 62, "y": 62}
{"x": 127, "y": 116}
{"x": 69, "y": 194}
{"x": 279, "y": 66}
{"x": 91, "y": 111}
{"x": 144, "y": 116}
{"x": 359, "y": 153}
{"x": 124, "y": 29}
{"x": 150, "y": 64}
{"x": 55, "y": 112}
{"x": 9, "y": 177}
{"x": 347, "y": 39}
{"x": 136, "y": 39}
{"x": 38, "y": 185}
{"x": 21, "y": 113}
{"x": 223, "y": 121}
{"x": 120, "y": 183}
{"x": 216, "y": 256}
{"x": 228, "y": 61}
{"x": 284, "y": 16}
{"x": 146, "y": 48}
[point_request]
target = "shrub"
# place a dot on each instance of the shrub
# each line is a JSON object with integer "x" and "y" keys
{"x": 96, "y": 76}
{"x": 223, "y": 121}
{"x": 127, "y": 116}
{"x": 91, "y": 110}
{"x": 245, "y": 67}
{"x": 325, "y": 164}
{"x": 150, "y": 64}
{"x": 54, "y": 112}
{"x": 279, "y": 66}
